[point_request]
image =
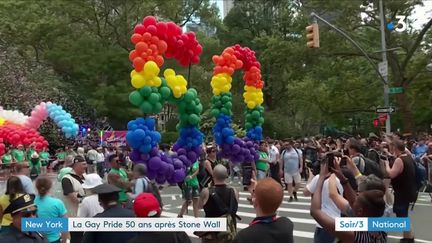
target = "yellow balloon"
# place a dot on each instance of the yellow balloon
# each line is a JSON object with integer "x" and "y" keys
{"x": 169, "y": 72}
{"x": 251, "y": 105}
{"x": 2, "y": 121}
{"x": 138, "y": 81}
{"x": 152, "y": 68}
{"x": 133, "y": 73}
{"x": 157, "y": 81}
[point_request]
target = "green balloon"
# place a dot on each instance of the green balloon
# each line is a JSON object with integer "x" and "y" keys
{"x": 218, "y": 104}
{"x": 146, "y": 91}
{"x": 188, "y": 97}
{"x": 248, "y": 125}
{"x": 261, "y": 120}
{"x": 182, "y": 106}
{"x": 226, "y": 98}
{"x": 225, "y": 111}
{"x": 198, "y": 108}
{"x": 164, "y": 82}
{"x": 157, "y": 107}
{"x": 135, "y": 98}
{"x": 194, "y": 119}
{"x": 228, "y": 105}
{"x": 165, "y": 92}
{"x": 184, "y": 117}
{"x": 153, "y": 98}
{"x": 194, "y": 92}
{"x": 146, "y": 107}
{"x": 255, "y": 114}
{"x": 154, "y": 89}
{"x": 214, "y": 112}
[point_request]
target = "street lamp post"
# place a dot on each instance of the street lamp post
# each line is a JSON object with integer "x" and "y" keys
{"x": 384, "y": 64}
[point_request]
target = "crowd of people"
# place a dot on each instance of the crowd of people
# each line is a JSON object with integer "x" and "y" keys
{"x": 353, "y": 177}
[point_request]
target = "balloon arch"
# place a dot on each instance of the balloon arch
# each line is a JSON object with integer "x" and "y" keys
{"x": 19, "y": 129}
{"x": 155, "y": 40}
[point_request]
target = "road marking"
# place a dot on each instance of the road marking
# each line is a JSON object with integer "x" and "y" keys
{"x": 285, "y": 202}
{"x": 285, "y": 196}
{"x": 173, "y": 198}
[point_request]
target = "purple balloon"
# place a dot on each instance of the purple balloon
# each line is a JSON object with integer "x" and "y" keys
{"x": 169, "y": 160}
{"x": 160, "y": 179}
{"x": 249, "y": 144}
{"x": 175, "y": 147}
{"x": 256, "y": 156}
{"x": 226, "y": 147}
{"x": 197, "y": 150}
{"x": 187, "y": 163}
{"x": 192, "y": 156}
{"x": 183, "y": 158}
{"x": 236, "y": 148}
{"x": 154, "y": 152}
{"x": 181, "y": 151}
{"x": 177, "y": 163}
{"x": 179, "y": 175}
{"x": 135, "y": 155}
{"x": 151, "y": 174}
{"x": 155, "y": 163}
{"x": 170, "y": 169}
{"x": 163, "y": 169}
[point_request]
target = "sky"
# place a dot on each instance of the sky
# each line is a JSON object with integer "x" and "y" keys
{"x": 421, "y": 14}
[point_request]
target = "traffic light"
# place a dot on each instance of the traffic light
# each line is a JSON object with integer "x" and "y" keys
{"x": 376, "y": 122}
{"x": 312, "y": 36}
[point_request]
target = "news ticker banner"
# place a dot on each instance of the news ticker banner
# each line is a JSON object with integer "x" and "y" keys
{"x": 373, "y": 224}
{"x": 123, "y": 224}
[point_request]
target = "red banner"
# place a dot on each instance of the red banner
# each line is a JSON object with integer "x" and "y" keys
{"x": 115, "y": 138}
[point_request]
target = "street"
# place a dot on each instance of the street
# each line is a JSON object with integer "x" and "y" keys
{"x": 298, "y": 212}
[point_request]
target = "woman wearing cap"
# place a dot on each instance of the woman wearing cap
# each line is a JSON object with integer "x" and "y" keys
{"x": 50, "y": 207}
{"x": 35, "y": 166}
{"x": 14, "y": 189}
{"x": 90, "y": 206}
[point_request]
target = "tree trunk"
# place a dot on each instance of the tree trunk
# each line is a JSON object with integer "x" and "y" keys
{"x": 405, "y": 111}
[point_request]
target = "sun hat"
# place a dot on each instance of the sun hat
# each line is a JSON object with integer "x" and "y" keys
{"x": 91, "y": 181}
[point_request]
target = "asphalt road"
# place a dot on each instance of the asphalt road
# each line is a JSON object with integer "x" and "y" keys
{"x": 298, "y": 212}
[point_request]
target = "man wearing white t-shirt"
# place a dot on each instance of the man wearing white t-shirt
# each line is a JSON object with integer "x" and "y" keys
{"x": 327, "y": 205}
{"x": 274, "y": 161}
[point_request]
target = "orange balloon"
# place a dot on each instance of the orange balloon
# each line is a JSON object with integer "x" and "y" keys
{"x": 159, "y": 60}
{"x": 138, "y": 64}
{"x": 217, "y": 69}
{"x": 239, "y": 64}
{"x": 149, "y": 52}
{"x": 215, "y": 59}
{"x": 144, "y": 55}
{"x": 151, "y": 58}
{"x": 132, "y": 55}
{"x": 154, "y": 40}
{"x": 153, "y": 47}
{"x": 147, "y": 36}
{"x": 141, "y": 47}
{"x": 162, "y": 46}
{"x": 135, "y": 38}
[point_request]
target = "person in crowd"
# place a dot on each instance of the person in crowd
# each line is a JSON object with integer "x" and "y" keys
{"x": 208, "y": 165}
{"x": 354, "y": 150}
{"x": 262, "y": 164}
{"x": 35, "y": 166}
{"x": 427, "y": 161}
{"x": 402, "y": 174}
{"x": 68, "y": 161}
{"x": 90, "y": 206}
{"x": 60, "y": 159}
{"x": 267, "y": 227}
{"x": 14, "y": 189}
{"x": 50, "y": 207}
{"x": 322, "y": 235}
{"x": 21, "y": 207}
{"x": 91, "y": 159}
{"x": 7, "y": 161}
{"x": 190, "y": 190}
{"x": 274, "y": 161}
{"x": 44, "y": 159}
{"x": 220, "y": 200}
{"x": 100, "y": 162}
{"x": 143, "y": 183}
{"x": 310, "y": 158}
{"x": 69, "y": 151}
{"x": 146, "y": 205}
{"x": 109, "y": 199}
{"x": 119, "y": 177}
{"x": 73, "y": 191}
{"x": 18, "y": 154}
{"x": 420, "y": 148}
{"x": 21, "y": 171}
{"x": 291, "y": 160}
{"x": 373, "y": 151}
{"x": 30, "y": 151}
{"x": 367, "y": 204}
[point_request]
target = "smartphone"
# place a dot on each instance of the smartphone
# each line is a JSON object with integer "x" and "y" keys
{"x": 343, "y": 162}
{"x": 330, "y": 160}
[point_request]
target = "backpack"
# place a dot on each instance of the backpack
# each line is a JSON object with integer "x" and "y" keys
{"x": 151, "y": 187}
{"x": 370, "y": 167}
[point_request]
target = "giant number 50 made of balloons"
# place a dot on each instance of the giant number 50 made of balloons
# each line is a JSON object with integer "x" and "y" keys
{"x": 155, "y": 40}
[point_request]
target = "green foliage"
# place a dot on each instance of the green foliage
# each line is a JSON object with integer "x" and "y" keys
{"x": 169, "y": 137}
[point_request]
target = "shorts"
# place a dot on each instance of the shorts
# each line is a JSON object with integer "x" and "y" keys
{"x": 288, "y": 178}
{"x": 190, "y": 192}
{"x": 401, "y": 209}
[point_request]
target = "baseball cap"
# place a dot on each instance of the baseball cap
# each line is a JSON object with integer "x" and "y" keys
{"x": 77, "y": 159}
{"x": 146, "y": 205}
{"x": 91, "y": 181}
{"x": 20, "y": 203}
{"x": 106, "y": 188}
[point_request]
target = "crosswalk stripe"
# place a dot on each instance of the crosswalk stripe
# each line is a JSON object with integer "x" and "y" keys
{"x": 284, "y": 202}
{"x": 285, "y": 195}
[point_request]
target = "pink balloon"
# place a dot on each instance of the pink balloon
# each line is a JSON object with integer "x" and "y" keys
{"x": 149, "y": 20}
{"x": 140, "y": 29}
{"x": 152, "y": 29}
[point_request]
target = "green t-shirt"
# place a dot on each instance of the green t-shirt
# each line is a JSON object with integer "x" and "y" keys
{"x": 37, "y": 164}
{"x": 18, "y": 155}
{"x": 61, "y": 155}
{"x": 193, "y": 182}
{"x": 30, "y": 152}
{"x": 64, "y": 171}
{"x": 7, "y": 159}
{"x": 260, "y": 164}
{"x": 123, "y": 176}
{"x": 44, "y": 155}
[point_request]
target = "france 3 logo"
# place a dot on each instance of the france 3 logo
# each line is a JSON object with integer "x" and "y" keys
{"x": 400, "y": 26}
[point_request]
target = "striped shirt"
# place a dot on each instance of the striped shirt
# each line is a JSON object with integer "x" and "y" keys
{"x": 370, "y": 237}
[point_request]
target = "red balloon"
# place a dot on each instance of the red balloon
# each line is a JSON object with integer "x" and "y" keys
{"x": 162, "y": 46}
{"x": 138, "y": 64}
{"x": 159, "y": 60}
{"x": 195, "y": 59}
{"x": 146, "y": 36}
{"x": 149, "y": 20}
{"x": 154, "y": 40}
{"x": 198, "y": 49}
{"x": 171, "y": 28}
{"x": 141, "y": 47}
{"x": 153, "y": 47}
{"x": 132, "y": 55}
{"x": 161, "y": 28}
{"x": 215, "y": 59}
{"x": 152, "y": 29}
{"x": 140, "y": 29}
{"x": 135, "y": 38}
